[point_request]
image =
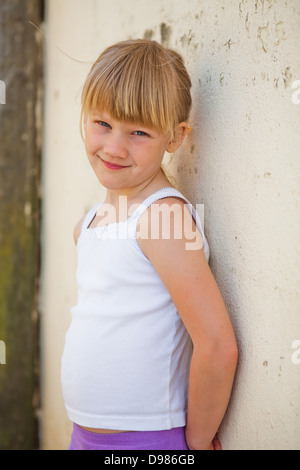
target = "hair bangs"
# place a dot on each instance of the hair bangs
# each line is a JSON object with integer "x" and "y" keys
{"x": 136, "y": 82}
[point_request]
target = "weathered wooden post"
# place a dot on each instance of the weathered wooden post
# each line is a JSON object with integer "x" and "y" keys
{"x": 20, "y": 123}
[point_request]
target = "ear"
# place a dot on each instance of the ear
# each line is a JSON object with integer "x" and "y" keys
{"x": 178, "y": 136}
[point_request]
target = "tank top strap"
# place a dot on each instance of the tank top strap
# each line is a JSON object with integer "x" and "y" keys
{"x": 164, "y": 193}
{"x": 171, "y": 192}
{"x": 160, "y": 194}
{"x": 89, "y": 217}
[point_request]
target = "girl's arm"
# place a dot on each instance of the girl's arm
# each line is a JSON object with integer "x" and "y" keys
{"x": 189, "y": 280}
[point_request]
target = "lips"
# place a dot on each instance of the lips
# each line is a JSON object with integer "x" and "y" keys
{"x": 113, "y": 166}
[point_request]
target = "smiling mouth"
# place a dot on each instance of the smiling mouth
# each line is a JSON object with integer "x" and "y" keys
{"x": 113, "y": 166}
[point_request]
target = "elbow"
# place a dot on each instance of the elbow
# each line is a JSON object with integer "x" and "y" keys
{"x": 221, "y": 355}
{"x": 227, "y": 351}
{"x": 230, "y": 355}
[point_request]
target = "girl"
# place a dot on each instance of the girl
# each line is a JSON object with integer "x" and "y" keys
{"x": 150, "y": 354}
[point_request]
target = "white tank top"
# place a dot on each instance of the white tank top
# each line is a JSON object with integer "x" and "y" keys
{"x": 126, "y": 360}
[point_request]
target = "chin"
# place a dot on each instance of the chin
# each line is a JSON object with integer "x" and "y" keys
{"x": 110, "y": 183}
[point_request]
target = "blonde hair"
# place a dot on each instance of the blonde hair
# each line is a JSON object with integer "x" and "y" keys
{"x": 139, "y": 81}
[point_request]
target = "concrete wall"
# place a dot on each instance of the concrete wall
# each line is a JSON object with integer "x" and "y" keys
{"x": 241, "y": 161}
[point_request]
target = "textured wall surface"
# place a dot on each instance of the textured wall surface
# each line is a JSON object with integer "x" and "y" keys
{"x": 241, "y": 161}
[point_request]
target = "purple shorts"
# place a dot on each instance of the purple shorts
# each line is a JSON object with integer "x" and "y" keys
{"x": 171, "y": 439}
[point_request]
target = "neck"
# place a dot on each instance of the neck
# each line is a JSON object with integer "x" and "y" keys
{"x": 139, "y": 193}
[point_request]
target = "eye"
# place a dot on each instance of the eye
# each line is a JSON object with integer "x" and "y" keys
{"x": 103, "y": 124}
{"x": 141, "y": 133}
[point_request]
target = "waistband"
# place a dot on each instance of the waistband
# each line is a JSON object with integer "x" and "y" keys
{"x": 125, "y": 438}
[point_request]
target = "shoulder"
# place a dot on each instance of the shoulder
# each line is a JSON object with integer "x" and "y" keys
{"x": 168, "y": 226}
{"x": 85, "y": 220}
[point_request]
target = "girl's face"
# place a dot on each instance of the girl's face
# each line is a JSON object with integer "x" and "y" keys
{"x": 122, "y": 154}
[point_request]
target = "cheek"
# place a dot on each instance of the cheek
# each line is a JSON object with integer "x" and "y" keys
{"x": 92, "y": 142}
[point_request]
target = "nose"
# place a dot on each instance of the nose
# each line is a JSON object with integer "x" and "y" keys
{"x": 115, "y": 146}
